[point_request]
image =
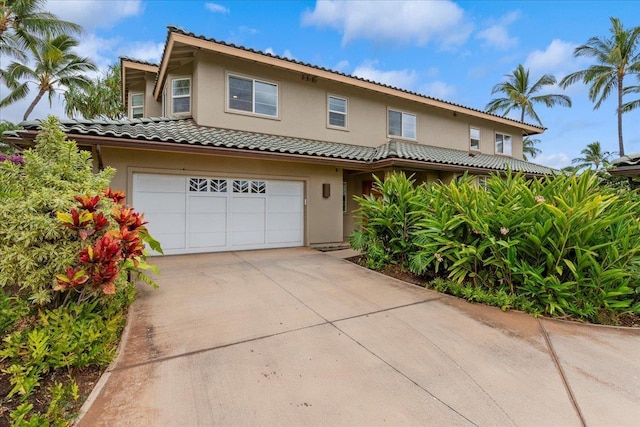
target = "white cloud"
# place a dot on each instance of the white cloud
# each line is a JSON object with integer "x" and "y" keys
{"x": 98, "y": 49}
{"x": 417, "y": 22}
{"x": 92, "y": 14}
{"x": 286, "y": 54}
{"x": 247, "y": 30}
{"x": 144, "y": 50}
{"x": 497, "y": 34}
{"x": 556, "y": 58}
{"x": 341, "y": 66}
{"x": 438, "y": 89}
{"x": 216, "y": 8}
{"x": 403, "y": 79}
{"x": 553, "y": 160}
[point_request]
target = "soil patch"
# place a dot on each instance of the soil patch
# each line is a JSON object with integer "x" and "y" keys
{"x": 86, "y": 379}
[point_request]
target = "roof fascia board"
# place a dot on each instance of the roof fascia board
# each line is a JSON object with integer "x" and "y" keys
{"x": 205, "y": 149}
{"x": 329, "y": 75}
{"x": 127, "y": 64}
{"x": 426, "y": 165}
{"x": 162, "y": 71}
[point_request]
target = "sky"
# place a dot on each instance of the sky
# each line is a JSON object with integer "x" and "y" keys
{"x": 451, "y": 50}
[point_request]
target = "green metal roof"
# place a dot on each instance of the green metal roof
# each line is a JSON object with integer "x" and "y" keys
{"x": 187, "y": 132}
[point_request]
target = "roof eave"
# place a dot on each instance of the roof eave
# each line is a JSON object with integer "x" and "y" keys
{"x": 427, "y": 165}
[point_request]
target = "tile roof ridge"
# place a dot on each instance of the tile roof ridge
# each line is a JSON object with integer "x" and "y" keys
{"x": 137, "y": 61}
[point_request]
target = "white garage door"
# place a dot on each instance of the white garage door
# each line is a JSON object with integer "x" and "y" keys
{"x": 196, "y": 214}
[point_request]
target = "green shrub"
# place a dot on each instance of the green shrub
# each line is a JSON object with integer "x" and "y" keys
{"x": 33, "y": 245}
{"x": 567, "y": 244}
{"x": 63, "y": 229}
{"x": 387, "y": 220}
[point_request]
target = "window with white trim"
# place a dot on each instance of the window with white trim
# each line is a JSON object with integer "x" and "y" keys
{"x": 253, "y": 96}
{"x": 337, "y": 111}
{"x": 474, "y": 138}
{"x": 181, "y": 96}
{"x": 402, "y": 124}
{"x": 136, "y": 105}
{"x": 503, "y": 143}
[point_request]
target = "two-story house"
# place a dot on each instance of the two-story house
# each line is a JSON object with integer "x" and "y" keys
{"x": 228, "y": 148}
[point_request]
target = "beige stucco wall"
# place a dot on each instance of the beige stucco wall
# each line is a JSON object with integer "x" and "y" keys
{"x": 303, "y": 109}
{"x": 323, "y": 217}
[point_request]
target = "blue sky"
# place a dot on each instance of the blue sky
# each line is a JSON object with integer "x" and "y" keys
{"x": 456, "y": 51}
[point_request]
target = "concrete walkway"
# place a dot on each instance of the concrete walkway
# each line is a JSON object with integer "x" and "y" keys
{"x": 302, "y": 338}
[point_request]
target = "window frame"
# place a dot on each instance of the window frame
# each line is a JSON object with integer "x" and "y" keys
{"x": 471, "y": 138}
{"x": 173, "y": 97}
{"x": 402, "y": 114}
{"x": 132, "y": 107}
{"x": 346, "y": 112}
{"x": 253, "y": 80}
{"x": 502, "y": 152}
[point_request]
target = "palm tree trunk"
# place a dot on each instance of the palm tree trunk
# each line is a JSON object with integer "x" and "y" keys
{"x": 33, "y": 104}
{"x": 620, "y": 141}
{"x": 522, "y": 115}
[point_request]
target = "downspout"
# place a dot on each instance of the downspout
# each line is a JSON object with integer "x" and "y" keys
{"x": 99, "y": 155}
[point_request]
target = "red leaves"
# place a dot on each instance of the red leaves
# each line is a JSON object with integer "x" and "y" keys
{"x": 117, "y": 196}
{"x": 88, "y": 203}
{"x": 102, "y": 260}
{"x": 72, "y": 278}
{"x": 128, "y": 218}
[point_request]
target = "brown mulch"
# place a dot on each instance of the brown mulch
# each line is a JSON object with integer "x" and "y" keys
{"x": 395, "y": 271}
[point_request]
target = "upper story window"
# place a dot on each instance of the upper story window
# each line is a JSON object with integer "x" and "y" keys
{"x": 253, "y": 96}
{"x": 337, "y": 112}
{"x": 503, "y": 143}
{"x": 474, "y": 138}
{"x": 402, "y": 124}
{"x": 136, "y": 105}
{"x": 181, "y": 96}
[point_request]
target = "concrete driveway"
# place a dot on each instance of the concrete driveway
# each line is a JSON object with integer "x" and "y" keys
{"x": 299, "y": 337}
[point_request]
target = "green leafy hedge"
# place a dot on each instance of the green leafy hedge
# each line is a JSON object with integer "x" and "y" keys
{"x": 564, "y": 243}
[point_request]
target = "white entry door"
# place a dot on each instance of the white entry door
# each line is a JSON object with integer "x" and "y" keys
{"x": 200, "y": 214}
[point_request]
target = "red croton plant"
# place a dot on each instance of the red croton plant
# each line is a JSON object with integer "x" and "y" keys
{"x": 110, "y": 246}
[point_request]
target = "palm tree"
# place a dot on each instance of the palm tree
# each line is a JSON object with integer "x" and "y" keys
{"x": 529, "y": 148}
{"x": 631, "y": 105}
{"x": 23, "y": 23}
{"x": 520, "y": 95}
{"x": 100, "y": 99}
{"x": 616, "y": 57}
{"x": 592, "y": 156}
{"x": 54, "y": 65}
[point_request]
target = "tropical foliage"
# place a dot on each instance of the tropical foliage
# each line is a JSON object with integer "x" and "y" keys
{"x": 559, "y": 245}
{"x": 23, "y": 24}
{"x": 529, "y": 149}
{"x": 54, "y": 65}
{"x": 616, "y": 57}
{"x": 99, "y": 99}
{"x": 592, "y": 157}
{"x": 69, "y": 250}
{"x": 520, "y": 94}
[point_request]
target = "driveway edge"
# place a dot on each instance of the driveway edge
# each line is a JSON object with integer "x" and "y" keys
{"x": 107, "y": 372}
